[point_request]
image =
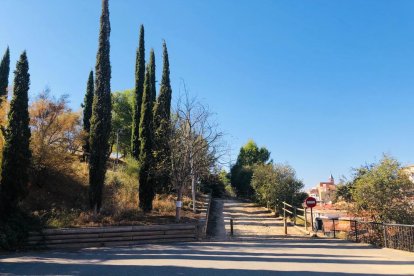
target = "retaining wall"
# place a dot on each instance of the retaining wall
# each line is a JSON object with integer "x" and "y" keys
{"x": 122, "y": 235}
{"x": 111, "y": 236}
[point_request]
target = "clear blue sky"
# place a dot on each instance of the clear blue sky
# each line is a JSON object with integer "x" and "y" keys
{"x": 324, "y": 85}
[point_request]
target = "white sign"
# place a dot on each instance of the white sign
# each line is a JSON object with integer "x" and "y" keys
{"x": 178, "y": 204}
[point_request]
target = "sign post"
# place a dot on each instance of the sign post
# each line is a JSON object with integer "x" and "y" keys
{"x": 310, "y": 202}
{"x": 306, "y": 219}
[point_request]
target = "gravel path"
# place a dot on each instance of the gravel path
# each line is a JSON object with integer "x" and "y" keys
{"x": 249, "y": 221}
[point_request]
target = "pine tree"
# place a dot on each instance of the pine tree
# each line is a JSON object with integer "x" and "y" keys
{"x": 87, "y": 112}
{"x": 101, "y": 114}
{"x": 16, "y": 153}
{"x": 153, "y": 89}
{"x": 139, "y": 89}
{"x": 162, "y": 114}
{"x": 146, "y": 180}
{"x": 4, "y": 74}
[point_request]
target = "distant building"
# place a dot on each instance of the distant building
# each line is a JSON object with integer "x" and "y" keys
{"x": 410, "y": 171}
{"x": 324, "y": 192}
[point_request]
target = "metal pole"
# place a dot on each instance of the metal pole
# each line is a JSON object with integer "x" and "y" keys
{"x": 231, "y": 227}
{"x": 284, "y": 218}
{"x": 312, "y": 219}
{"x": 385, "y": 235}
{"x": 117, "y": 145}
{"x": 333, "y": 223}
{"x": 356, "y": 231}
{"x": 306, "y": 219}
{"x": 116, "y": 159}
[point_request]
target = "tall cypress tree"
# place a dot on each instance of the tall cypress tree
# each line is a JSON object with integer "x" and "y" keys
{"x": 151, "y": 64}
{"x": 87, "y": 112}
{"x": 162, "y": 114}
{"x": 139, "y": 89}
{"x": 101, "y": 114}
{"x": 16, "y": 153}
{"x": 146, "y": 177}
{"x": 4, "y": 74}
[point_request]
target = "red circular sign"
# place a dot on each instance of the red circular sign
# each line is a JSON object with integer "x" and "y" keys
{"x": 310, "y": 202}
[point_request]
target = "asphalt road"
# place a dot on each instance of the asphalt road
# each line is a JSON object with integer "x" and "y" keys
{"x": 259, "y": 247}
{"x": 254, "y": 257}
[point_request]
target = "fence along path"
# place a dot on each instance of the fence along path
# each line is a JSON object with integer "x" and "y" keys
{"x": 388, "y": 235}
{"x": 395, "y": 236}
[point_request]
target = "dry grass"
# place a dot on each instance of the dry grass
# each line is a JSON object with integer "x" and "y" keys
{"x": 163, "y": 212}
{"x": 62, "y": 200}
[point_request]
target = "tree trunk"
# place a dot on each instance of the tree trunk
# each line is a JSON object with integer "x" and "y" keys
{"x": 178, "y": 204}
{"x": 193, "y": 184}
{"x": 193, "y": 192}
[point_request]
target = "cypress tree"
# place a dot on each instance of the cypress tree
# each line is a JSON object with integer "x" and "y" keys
{"x": 153, "y": 89}
{"x": 139, "y": 89}
{"x": 162, "y": 114}
{"x": 146, "y": 180}
{"x": 16, "y": 153}
{"x": 101, "y": 114}
{"x": 87, "y": 111}
{"x": 4, "y": 74}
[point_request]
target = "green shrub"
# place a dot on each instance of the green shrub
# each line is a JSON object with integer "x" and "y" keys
{"x": 61, "y": 218}
{"x": 132, "y": 167}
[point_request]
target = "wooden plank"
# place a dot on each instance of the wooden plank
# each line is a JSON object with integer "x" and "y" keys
{"x": 165, "y": 227}
{"x": 174, "y": 232}
{"x": 110, "y": 234}
{"x": 110, "y": 239}
{"x": 121, "y": 243}
{"x": 97, "y": 235}
{"x": 80, "y": 240}
{"x": 302, "y": 217}
{"x": 92, "y": 230}
{"x": 165, "y": 237}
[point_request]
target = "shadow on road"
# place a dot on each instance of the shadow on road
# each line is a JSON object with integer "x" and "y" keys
{"x": 259, "y": 257}
{"x": 259, "y": 249}
{"x": 92, "y": 269}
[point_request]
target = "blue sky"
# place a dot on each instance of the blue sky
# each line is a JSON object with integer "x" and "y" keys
{"x": 324, "y": 85}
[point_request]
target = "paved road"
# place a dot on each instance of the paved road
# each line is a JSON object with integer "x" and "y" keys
{"x": 256, "y": 257}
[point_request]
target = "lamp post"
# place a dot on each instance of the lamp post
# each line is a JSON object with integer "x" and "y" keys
{"x": 117, "y": 149}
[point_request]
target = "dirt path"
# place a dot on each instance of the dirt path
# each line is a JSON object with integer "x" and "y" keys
{"x": 249, "y": 221}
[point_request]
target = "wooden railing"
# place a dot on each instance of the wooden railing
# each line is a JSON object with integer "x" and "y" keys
{"x": 294, "y": 214}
